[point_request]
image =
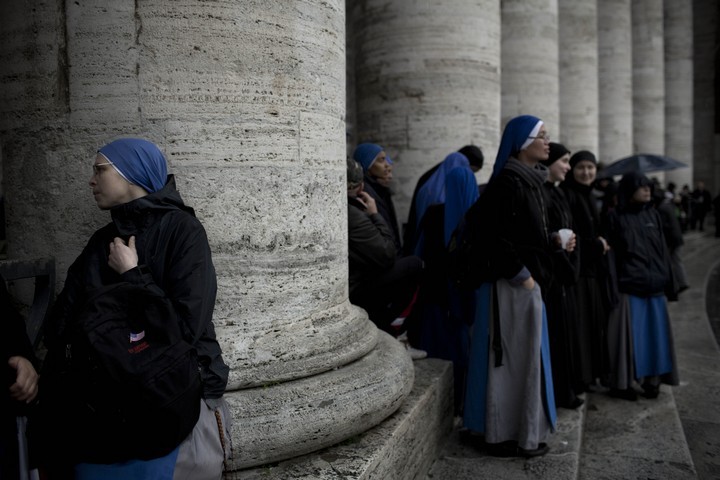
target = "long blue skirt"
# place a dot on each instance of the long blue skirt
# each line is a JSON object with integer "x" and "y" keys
{"x": 157, "y": 468}
{"x": 474, "y": 417}
{"x": 652, "y": 344}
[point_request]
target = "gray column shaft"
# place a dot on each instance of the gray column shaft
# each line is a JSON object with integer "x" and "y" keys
{"x": 247, "y": 100}
{"x": 578, "y": 57}
{"x": 427, "y": 78}
{"x": 530, "y": 61}
{"x": 648, "y": 77}
{"x": 679, "y": 84}
{"x": 615, "y": 79}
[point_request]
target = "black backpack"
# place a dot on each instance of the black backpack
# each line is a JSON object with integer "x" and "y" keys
{"x": 467, "y": 255}
{"x": 127, "y": 385}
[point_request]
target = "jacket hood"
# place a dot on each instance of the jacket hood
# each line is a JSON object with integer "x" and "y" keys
{"x": 629, "y": 184}
{"x": 126, "y": 216}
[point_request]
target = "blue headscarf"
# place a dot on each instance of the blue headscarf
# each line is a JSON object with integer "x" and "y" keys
{"x": 516, "y": 137}
{"x": 462, "y": 191}
{"x": 365, "y": 153}
{"x": 433, "y": 191}
{"x": 139, "y": 162}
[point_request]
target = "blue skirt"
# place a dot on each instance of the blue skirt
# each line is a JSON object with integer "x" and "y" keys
{"x": 474, "y": 417}
{"x": 651, "y": 336}
{"x": 157, "y": 468}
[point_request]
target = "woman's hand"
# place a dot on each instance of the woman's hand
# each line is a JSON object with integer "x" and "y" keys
{"x": 368, "y": 202}
{"x": 122, "y": 257}
{"x": 605, "y": 245}
{"x": 571, "y": 244}
{"x": 529, "y": 283}
{"x": 26, "y": 380}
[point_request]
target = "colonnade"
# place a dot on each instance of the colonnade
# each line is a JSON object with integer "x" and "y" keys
{"x": 248, "y": 101}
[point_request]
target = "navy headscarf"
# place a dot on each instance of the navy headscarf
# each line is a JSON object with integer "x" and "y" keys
{"x": 462, "y": 192}
{"x": 516, "y": 137}
{"x": 433, "y": 191}
{"x": 365, "y": 154}
{"x": 138, "y": 161}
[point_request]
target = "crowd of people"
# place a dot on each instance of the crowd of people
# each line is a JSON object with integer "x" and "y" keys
{"x": 545, "y": 283}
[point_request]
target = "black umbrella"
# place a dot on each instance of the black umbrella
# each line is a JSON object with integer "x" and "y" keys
{"x": 641, "y": 162}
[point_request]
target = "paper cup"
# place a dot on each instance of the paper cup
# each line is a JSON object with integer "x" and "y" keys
{"x": 565, "y": 234}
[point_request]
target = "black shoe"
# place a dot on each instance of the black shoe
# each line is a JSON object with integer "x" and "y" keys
{"x": 503, "y": 449}
{"x": 576, "y": 403}
{"x": 541, "y": 449}
{"x": 627, "y": 394}
{"x": 650, "y": 391}
{"x": 472, "y": 439}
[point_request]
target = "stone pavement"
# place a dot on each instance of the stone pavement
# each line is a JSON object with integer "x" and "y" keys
{"x": 676, "y": 436}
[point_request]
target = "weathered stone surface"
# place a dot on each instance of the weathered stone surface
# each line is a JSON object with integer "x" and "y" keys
{"x": 578, "y": 74}
{"x": 648, "y": 57}
{"x": 279, "y": 421}
{"x": 247, "y": 100}
{"x": 679, "y": 80}
{"x": 400, "y": 447}
{"x": 427, "y": 79}
{"x": 615, "y": 80}
{"x": 530, "y": 61}
{"x": 461, "y": 461}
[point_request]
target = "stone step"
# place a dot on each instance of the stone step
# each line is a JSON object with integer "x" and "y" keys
{"x": 401, "y": 447}
{"x": 641, "y": 439}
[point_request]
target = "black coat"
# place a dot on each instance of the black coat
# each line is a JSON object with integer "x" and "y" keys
{"x": 566, "y": 268}
{"x": 386, "y": 208}
{"x": 14, "y": 341}
{"x": 642, "y": 259}
{"x": 371, "y": 246}
{"x": 509, "y": 223}
{"x": 586, "y": 225}
{"x": 174, "y": 259}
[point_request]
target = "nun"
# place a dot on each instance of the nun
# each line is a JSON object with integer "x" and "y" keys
{"x": 639, "y": 331}
{"x": 377, "y": 167}
{"x": 153, "y": 241}
{"x": 509, "y": 398}
{"x": 560, "y": 298}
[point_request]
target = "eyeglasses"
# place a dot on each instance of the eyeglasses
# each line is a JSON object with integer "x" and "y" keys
{"x": 96, "y": 170}
{"x": 544, "y": 137}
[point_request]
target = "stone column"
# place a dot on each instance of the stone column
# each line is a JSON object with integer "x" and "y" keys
{"x": 679, "y": 69}
{"x": 530, "y": 61}
{"x": 706, "y": 141}
{"x": 247, "y": 100}
{"x": 615, "y": 74}
{"x": 578, "y": 56}
{"x": 648, "y": 84}
{"x": 427, "y": 78}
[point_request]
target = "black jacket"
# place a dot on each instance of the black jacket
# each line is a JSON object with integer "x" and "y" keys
{"x": 587, "y": 227}
{"x": 174, "y": 260}
{"x": 386, "y": 208}
{"x": 14, "y": 341}
{"x": 371, "y": 247}
{"x": 509, "y": 223}
{"x": 643, "y": 265}
{"x": 566, "y": 268}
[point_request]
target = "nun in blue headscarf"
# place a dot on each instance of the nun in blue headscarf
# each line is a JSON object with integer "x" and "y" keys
{"x": 444, "y": 333}
{"x": 433, "y": 193}
{"x": 377, "y": 166}
{"x": 155, "y": 244}
{"x": 509, "y": 398}
{"x": 138, "y": 161}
